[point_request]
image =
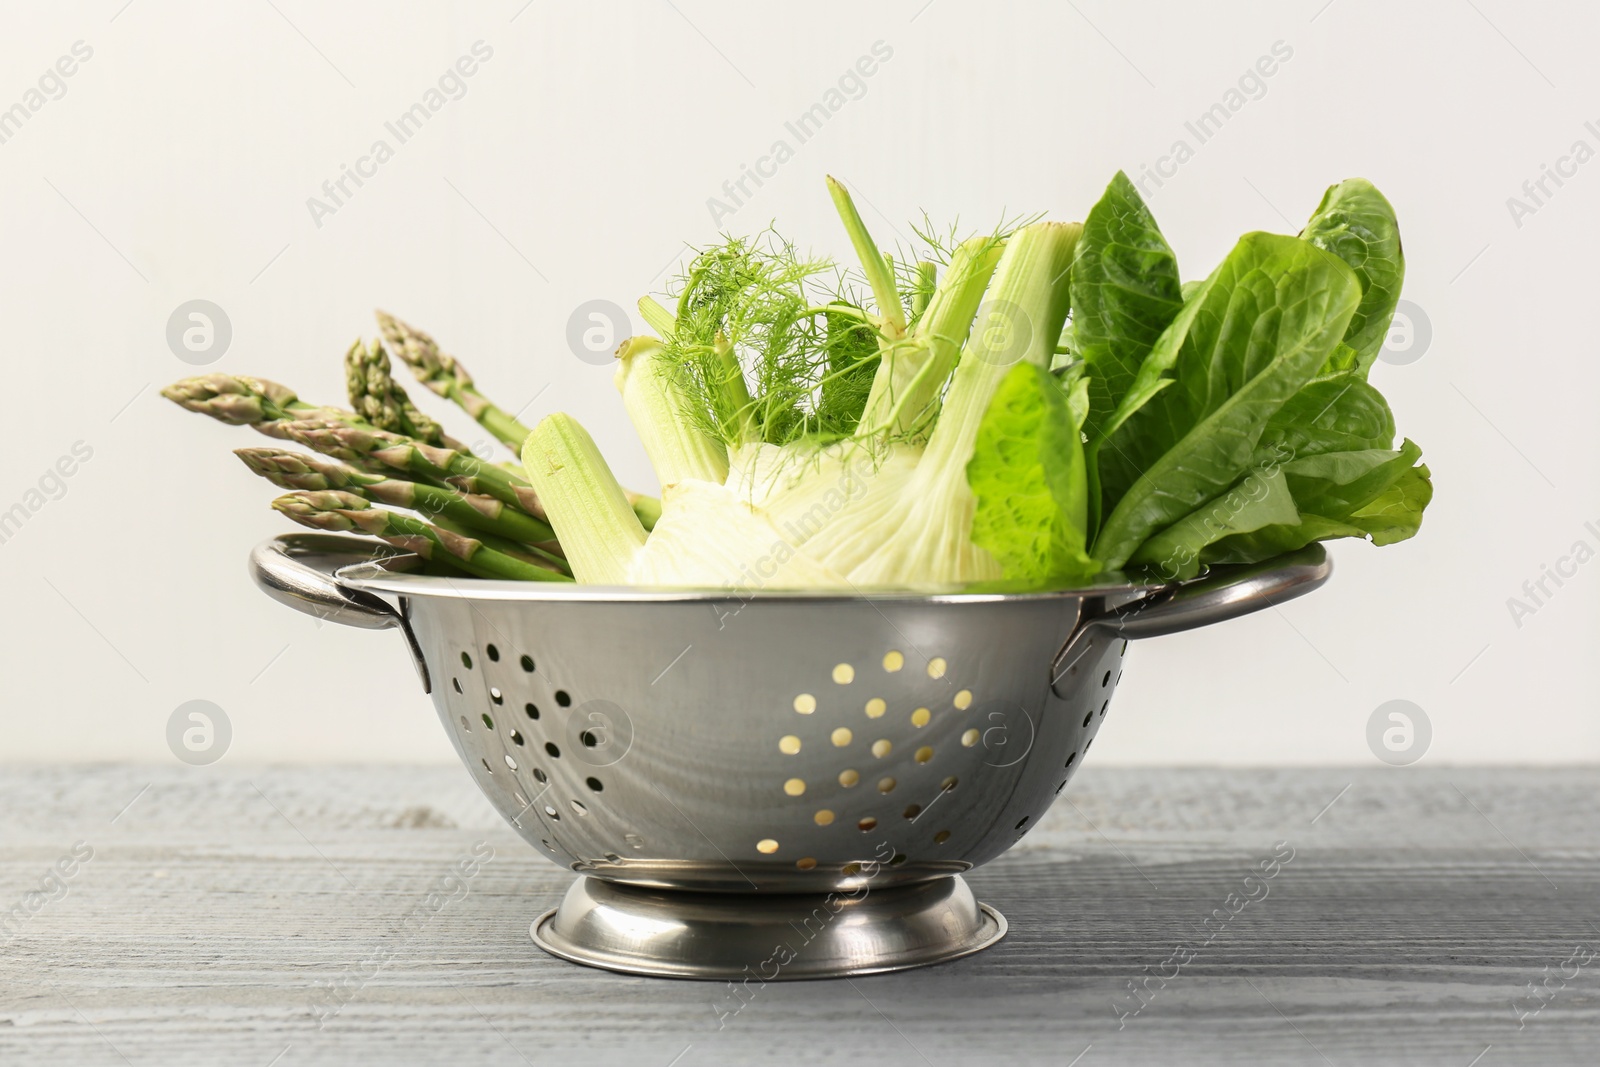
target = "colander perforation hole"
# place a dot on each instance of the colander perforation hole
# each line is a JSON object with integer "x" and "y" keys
{"x": 912, "y": 811}
{"x": 496, "y": 696}
{"x": 552, "y": 812}
{"x": 488, "y": 721}
{"x": 1060, "y": 787}
{"x": 546, "y": 843}
{"x": 493, "y": 653}
{"x": 766, "y": 846}
{"x": 1087, "y": 717}
{"x": 516, "y": 738}
{"x": 893, "y": 661}
{"x": 849, "y": 777}
{"x": 886, "y": 785}
{"x": 1071, "y": 756}
{"x": 550, "y": 747}
{"x": 1106, "y": 680}
{"x": 1022, "y": 822}
{"x": 539, "y": 776}
{"x": 595, "y": 785}
{"x": 823, "y": 818}
{"x": 527, "y": 663}
{"x": 466, "y": 724}
{"x": 1104, "y": 706}
{"x": 805, "y": 863}
{"x": 578, "y": 808}
{"x": 589, "y": 739}
{"x": 949, "y": 783}
{"x": 1086, "y": 745}
{"x": 562, "y": 698}
{"x": 510, "y": 762}
{"x": 487, "y": 767}
{"x": 941, "y": 837}
{"x": 612, "y": 857}
{"x": 466, "y": 661}
{"x": 970, "y": 738}
{"x": 456, "y": 684}
{"x": 867, "y": 824}
{"x": 531, "y": 710}
{"x": 899, "y": 858}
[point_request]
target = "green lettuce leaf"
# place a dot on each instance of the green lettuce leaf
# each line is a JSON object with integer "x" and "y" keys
{"x": 1029, "y": 478}
{"x": 1258, "y": 500}
{"x": 1125, "y": 291}
{"x": 1271, "y": 541}
{"x": 1340, "y": 483}
{"x": 1343, "y": 359}
{"x": 1358, "y": 225}
{"x": 1392, "y": 496}
{"x": 1396, "y": 513}
{"x": 1336, "y": 413}
{"x": 1249, "y": 339}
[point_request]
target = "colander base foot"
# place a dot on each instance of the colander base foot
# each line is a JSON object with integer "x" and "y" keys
{"x": 766, "y": 937}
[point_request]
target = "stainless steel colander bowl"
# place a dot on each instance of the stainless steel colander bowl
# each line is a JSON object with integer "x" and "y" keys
{"x": 785, "y": 782}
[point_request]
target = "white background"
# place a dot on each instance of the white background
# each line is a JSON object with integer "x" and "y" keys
{"x": 578, "y": 164}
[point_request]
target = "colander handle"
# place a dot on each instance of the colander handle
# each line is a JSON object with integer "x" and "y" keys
{"x": 1226, "y": 593}
{"x": 300, "y": 570}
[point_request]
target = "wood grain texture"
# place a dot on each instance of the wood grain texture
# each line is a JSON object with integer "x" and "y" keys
{"x": 222, "y": 902}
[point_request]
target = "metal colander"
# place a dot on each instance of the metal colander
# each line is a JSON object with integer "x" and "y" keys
{"x": 800, "y": 769}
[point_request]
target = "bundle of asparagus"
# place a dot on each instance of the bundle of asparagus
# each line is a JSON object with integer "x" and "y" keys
{"x": 386, "y": 457}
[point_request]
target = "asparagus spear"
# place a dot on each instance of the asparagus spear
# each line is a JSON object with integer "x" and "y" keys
{"x": 240, "y": 401}
{"x": 533, "y": 554}
{"x": 359, "y": 445}
{"x": 345, "y": 512}
{"x": 296, "y": 470}
{"x": 276, "y": 411}
{"x": 447, "y": 377}
{"x": 377, "y": 397}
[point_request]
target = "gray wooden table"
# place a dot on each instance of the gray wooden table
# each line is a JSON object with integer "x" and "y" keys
{"x": 304, "y": 915}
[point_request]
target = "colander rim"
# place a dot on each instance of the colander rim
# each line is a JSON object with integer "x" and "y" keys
{"x": 382, "y": 576}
